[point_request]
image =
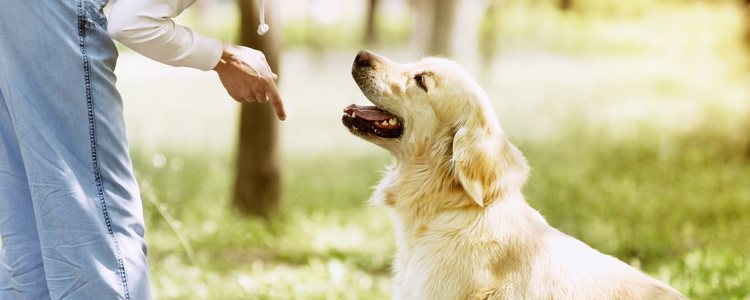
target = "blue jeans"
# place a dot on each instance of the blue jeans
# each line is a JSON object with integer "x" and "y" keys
{"x": 71, "y": 218}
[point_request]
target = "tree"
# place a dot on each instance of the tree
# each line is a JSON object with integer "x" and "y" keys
{"x": 258, "y": 180}
{"x": 488, "y": 37}
{"x": 433, "y": 26}
{"x": 371, "y": 36}
{"x": 441, "y": 33}
{"x": 565, "y": 5}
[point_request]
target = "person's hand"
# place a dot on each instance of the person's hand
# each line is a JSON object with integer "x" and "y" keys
{"x": 247, "y": 77}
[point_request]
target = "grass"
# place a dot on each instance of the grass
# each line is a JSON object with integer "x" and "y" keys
{"x": 637, "y": 134}
{"x": 680, "y": 218}
{"x": 326, "y": 245}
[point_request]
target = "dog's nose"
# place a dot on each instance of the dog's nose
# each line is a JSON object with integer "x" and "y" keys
{"x": 363, "y": 59}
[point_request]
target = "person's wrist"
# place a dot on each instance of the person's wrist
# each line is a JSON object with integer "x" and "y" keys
{"x": 226, "y": 57}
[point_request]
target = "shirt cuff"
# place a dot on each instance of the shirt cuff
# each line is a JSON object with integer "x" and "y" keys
{"x": 207, "y": 53}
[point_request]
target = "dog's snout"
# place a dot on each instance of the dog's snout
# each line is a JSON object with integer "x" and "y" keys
{"x": 363, "y": 59}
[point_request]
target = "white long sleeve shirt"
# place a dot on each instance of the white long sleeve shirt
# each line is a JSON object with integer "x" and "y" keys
{"x": 146, "y": 26}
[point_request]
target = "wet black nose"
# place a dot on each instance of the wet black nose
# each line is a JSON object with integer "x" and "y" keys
{"x": 363, "y": 59}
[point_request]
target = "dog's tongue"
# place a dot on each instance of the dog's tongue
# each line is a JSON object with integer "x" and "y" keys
{"x": 370, "y": 113}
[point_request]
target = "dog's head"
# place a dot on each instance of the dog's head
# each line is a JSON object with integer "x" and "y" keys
{"x": 434, "y": 108}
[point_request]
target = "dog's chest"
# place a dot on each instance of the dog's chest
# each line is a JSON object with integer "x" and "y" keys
{"x": 439, "y": 266}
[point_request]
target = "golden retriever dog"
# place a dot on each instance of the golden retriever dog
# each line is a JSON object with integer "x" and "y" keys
{"x": 463, "y": 228}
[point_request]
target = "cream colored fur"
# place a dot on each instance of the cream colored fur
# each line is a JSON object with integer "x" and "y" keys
{"x": 463, "y": 228}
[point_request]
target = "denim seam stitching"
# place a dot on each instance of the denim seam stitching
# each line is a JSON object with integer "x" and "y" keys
{"x": 94, "y": 156}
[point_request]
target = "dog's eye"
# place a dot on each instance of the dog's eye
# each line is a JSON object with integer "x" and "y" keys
{"x": 419, "y": 79}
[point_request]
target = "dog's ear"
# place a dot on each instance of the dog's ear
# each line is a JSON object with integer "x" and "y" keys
{"x": 475, "y": 161}
{"x": 485, "y": 163}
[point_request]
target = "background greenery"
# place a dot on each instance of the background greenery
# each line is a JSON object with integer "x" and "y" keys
{"x": 633, "y": 115}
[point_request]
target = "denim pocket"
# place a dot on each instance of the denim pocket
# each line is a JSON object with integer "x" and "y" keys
{"x": 93, "y": 13}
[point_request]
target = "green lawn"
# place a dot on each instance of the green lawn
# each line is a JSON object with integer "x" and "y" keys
{"x": 637, "y": 134}
{"x": 681, "y": 218}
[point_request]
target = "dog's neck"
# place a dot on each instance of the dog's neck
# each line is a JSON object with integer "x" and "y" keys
{"x": 404, "y": 187}
{"x": 422, "y": 187}
{"x": 415, "y": 212}
{"x": 416, "y": 201}
{"x": 423, "y": 178}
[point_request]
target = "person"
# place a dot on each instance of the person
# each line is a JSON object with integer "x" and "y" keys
{"x": 71, "y": 219}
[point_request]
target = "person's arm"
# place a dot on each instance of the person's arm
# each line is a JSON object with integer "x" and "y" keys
{"x": 147, "y": 26}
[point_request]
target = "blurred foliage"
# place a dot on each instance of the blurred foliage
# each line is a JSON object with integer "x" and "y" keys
{"x": 324, "y": 37}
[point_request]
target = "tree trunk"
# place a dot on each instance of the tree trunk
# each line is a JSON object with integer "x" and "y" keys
{"x": 441, "y": 34}
{"x": 488, "y": 38}
{"x": 565, "y": 5}
{"x": 257, "y": 185}
{"x": 420, "y": 28}
{"x": 371, "y": 35}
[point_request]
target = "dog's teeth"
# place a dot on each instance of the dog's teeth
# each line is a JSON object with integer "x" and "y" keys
{"x": 385, "y": 123}
{"x": 392, "y": 122}
{"x": 354, "y": 115}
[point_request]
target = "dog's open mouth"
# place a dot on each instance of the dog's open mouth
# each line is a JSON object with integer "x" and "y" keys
{"x": 366, "y": 120}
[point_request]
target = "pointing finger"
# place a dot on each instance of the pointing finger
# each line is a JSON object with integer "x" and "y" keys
{"x": 275, "y": 98}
